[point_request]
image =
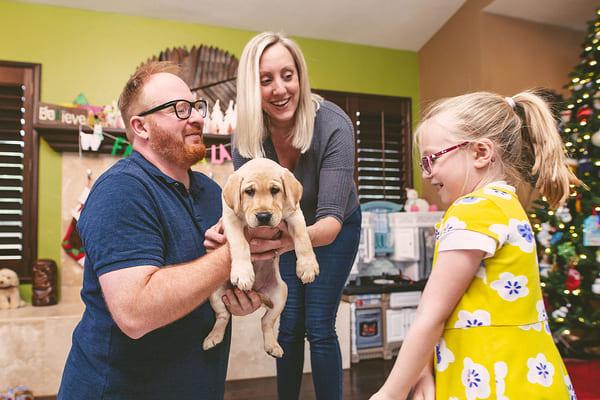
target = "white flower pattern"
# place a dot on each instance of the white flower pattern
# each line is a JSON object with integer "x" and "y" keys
{"x": 511, "y": 287}
{"x": 542, "y": 319}
{"x": 451, "y": 225}
{"x": 495, "y": 191}
{"x": 471, "y": 320}
{"x": 541, "y": 371}
{"x": 443, "y": 356}
{"x": 570, "y": 388}
{"x": 476, "y": 380}
{"x": 516, "y": 233}
{"x": 469, "y": 200}
{"x": 500, "y": 372}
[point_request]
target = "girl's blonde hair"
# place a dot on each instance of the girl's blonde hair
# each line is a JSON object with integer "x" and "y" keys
{"x": 252, "y": 123}
{"x": 527, "y": 143}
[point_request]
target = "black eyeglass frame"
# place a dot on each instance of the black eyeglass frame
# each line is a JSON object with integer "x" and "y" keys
{"x": 427, "y": 161}
{"x": 203, "y": 109}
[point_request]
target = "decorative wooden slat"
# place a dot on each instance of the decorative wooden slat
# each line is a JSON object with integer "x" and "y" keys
{"x": 209, "y": 71}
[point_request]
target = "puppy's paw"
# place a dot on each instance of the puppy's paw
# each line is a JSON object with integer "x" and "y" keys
{"x": 213, "y": 339}
{"x": 307, "y": 270}
{"x": 274, "y": 349}
{"x": 242, "y": 276}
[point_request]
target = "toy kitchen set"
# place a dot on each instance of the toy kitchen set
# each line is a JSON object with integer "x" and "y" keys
{"x": 384, "y": 288}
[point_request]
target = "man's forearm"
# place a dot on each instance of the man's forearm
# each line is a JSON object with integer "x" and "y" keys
{"x": 165, "y": 295}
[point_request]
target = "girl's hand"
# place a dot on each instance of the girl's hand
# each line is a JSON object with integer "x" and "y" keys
{"x": 382, "y": 396}
{"x": 214, "y": 237}
{"x": 268, "y": 243}
{"x": 425, "y": 387}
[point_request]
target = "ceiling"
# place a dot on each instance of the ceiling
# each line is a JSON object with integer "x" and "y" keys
{"x": 396, "y": 24}
{"x": 573, "y": 14}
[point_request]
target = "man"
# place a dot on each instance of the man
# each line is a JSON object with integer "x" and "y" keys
{"x": 147, "y": 276}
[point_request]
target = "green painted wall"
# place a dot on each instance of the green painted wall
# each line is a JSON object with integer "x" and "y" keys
{"x": 94, "y": 53}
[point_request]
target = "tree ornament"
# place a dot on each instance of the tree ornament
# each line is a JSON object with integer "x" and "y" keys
{"x": 544, "y": 235}
{"x": 596, "y": 285}
{"x": 565, "y": 116}
{"x": 573, "y": 279}
{"x": 560, "y": 312}
{"x": 564, "y": 214}
{"x": 584, "y": 113}
{"x": 591, "y": 230}
{"x": 596, "y": 138}
{"x": 585, "y": 165}
{"x": 556, "y": 238}
{"x": 597, "y": 100}
{"x": 544, "y": 266}
{"x": 566, "y": 250}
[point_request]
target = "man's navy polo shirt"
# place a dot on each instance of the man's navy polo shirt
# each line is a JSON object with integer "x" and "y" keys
{"x": 135, "y": 215}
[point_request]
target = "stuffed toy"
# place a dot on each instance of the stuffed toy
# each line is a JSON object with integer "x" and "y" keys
{"x": 414, "y": 203}
{"x": 9, "y": 290}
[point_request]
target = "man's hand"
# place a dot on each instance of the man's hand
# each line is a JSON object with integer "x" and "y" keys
{"x": 241, "y": 303}
{"x": 214, "y": 237}
{"x": 268, "y": 243}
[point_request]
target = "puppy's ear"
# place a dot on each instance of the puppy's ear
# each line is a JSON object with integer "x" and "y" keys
{"x": 232, "y": 193}
{"x": 292, "y": 189}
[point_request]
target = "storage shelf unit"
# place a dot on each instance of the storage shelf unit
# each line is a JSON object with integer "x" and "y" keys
{"x": 65, "y": 138}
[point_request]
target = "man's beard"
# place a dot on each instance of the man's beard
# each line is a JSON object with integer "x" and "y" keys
{"x": 174, "y": 149}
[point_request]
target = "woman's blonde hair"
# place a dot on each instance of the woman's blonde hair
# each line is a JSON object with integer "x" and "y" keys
{"x": 523, "y": 129}
{"x": 252, "y": 123}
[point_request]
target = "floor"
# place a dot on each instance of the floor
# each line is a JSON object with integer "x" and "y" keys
{"x": 360, "y": 381}
{"x": 364, "y": 378}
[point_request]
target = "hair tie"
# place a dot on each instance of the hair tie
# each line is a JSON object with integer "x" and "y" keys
{"x": 511, "y": 102}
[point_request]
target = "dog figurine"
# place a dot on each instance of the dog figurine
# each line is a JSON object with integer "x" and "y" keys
{"x": 9, "y": 290}
{"x": 261, "y": 194}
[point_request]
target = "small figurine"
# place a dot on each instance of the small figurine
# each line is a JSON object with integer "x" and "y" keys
{"x": 216, "y": 118}
{"x": 44, "y": 286}
{"x": 9, "y": 290}
{"x": 414, "y": 203}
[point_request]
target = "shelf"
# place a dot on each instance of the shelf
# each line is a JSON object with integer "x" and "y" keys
{"x": 65, "y": 138}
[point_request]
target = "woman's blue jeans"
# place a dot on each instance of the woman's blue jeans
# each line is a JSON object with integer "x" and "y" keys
{"x": 310, "y": 312}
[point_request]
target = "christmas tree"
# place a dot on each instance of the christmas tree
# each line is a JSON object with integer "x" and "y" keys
{"x": 569, "y": 238}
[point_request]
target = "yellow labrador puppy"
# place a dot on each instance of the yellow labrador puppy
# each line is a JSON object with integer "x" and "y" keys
{"x": 261, "y": 193}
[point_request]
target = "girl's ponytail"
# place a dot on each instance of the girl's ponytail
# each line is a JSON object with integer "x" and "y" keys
{"x": 542, "y": 149}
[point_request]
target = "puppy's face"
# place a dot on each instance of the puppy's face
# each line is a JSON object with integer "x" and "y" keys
{"x": 8, "y": 278}
{"x": 262, "y": 193}
{"x": 261, "y": 199}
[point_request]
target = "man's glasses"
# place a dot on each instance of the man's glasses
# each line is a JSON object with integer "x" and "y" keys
{"x": 183, "y": 108}
{"x": 427, "y": 161}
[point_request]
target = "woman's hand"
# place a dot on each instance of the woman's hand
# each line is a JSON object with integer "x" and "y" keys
{"x": 241, "y": 303}
{"x": 268, "y": 243}
{"x": 214, "y": 237}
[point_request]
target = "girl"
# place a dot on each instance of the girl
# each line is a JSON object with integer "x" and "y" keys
{"x": 483, "y": 304}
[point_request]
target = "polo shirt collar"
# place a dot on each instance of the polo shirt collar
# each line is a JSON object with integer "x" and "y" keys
{"x": 196, "y": 185}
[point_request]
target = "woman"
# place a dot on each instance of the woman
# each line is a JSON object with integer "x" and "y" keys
{"x": 279, "y": 118}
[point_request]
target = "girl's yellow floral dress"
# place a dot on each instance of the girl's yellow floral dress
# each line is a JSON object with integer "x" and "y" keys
{"x": 497, "y": 343}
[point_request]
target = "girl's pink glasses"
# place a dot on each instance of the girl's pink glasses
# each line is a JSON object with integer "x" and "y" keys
{"x": 427, "y": 161}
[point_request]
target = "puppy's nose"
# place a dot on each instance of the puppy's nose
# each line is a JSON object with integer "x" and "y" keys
{"x": 263, "y": 218}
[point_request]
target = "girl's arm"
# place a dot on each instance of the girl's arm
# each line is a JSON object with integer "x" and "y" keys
{"x": 424, "y": 389}
{"x": 454, "y": 270}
